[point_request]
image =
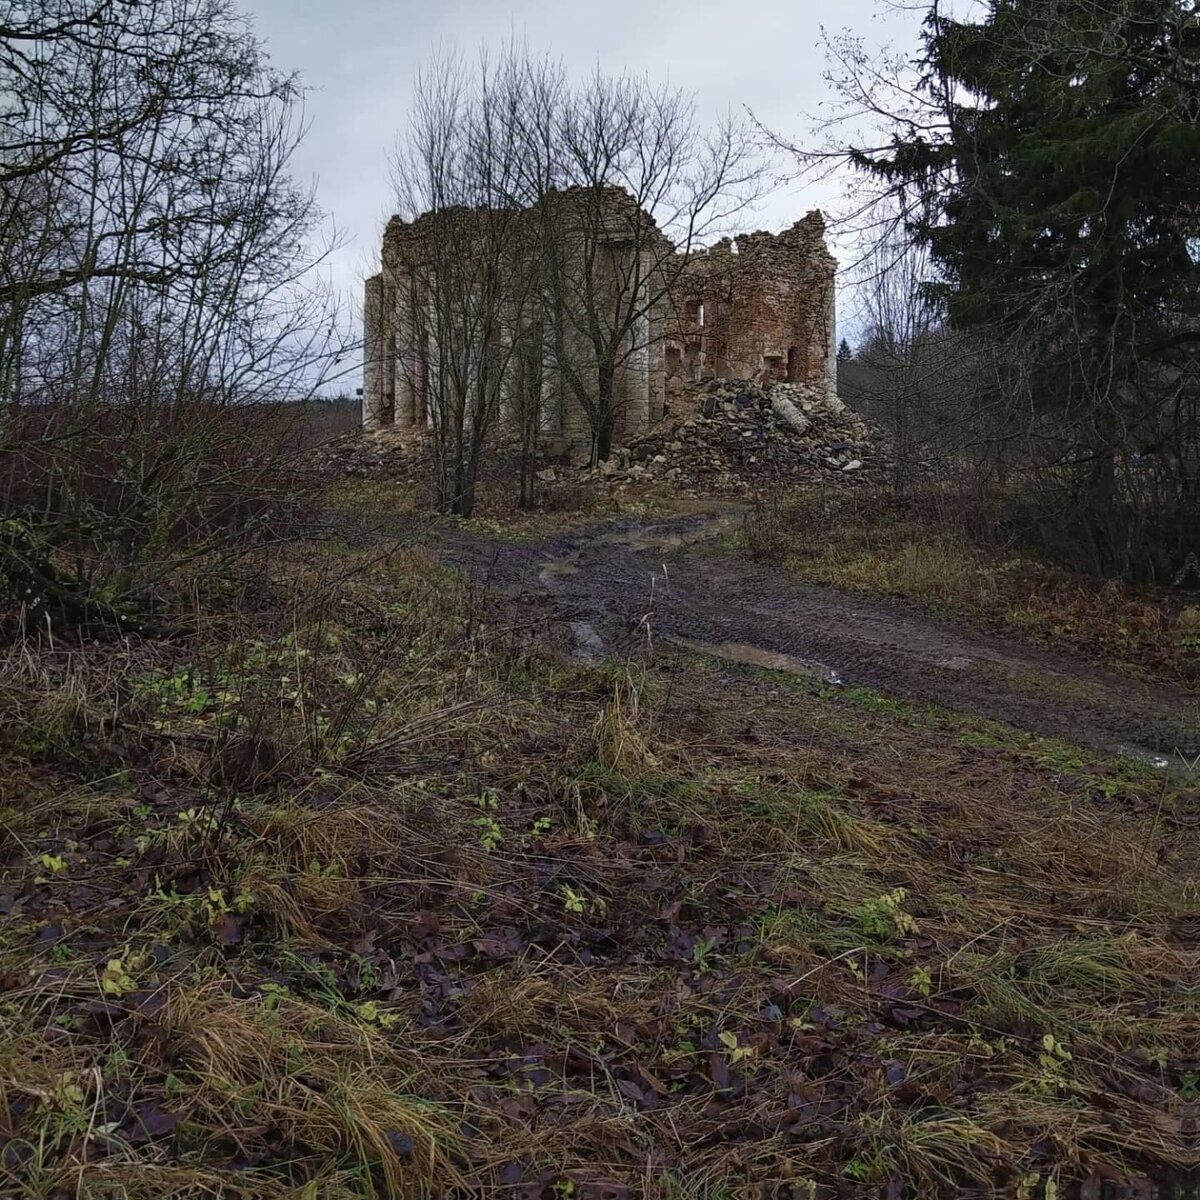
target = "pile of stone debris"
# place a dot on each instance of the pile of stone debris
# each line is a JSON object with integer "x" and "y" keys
{"x": 385, "y": 454}
{"x": 724, "y": 437}
{"x": 730, "y": 436}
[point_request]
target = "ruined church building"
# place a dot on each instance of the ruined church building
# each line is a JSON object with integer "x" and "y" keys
{"x": 758, "y": 308}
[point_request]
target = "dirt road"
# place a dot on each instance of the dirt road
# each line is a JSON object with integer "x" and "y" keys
{"x": 673, "y": 582}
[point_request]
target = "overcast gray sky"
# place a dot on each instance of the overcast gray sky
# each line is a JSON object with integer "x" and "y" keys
{"x": 360, "y": 57}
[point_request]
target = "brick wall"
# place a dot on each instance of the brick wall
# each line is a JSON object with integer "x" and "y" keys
{"x": 762, "y": 306}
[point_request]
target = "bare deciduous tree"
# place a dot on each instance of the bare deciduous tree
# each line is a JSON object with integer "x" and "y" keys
{"x": 469, "y": 267}
{"x": 641, "y": 185}
{"x": 153, "y": 283}
{"x": 546, "y": 224}
{"x": 939, "y": 392}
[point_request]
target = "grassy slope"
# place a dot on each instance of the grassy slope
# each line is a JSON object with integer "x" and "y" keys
{"x": 365, "y": 890}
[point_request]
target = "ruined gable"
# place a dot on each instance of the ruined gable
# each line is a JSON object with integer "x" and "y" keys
{"x": 762, "y": 307}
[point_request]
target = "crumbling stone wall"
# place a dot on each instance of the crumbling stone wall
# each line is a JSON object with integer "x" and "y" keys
{"x": 764, "y": 308}
{"x": 760, "y": 308}
{"x": 404, "y": 344}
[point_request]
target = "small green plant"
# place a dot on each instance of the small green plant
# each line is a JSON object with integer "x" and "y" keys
{"x": 1052, "y": 1067}
{"x": 573, "y": 902}
{"x": 202, "y": 822}
{"x": 737, "y": 1052}
{"x": 1028, "y": 1183}
{"x": 490, "y": 833}
{"x": 995, "y": 1048}
{"x": 116, "y": 980}
{"x": 203, "y": 909}
{"x": 66, "y": 1095}
{"x": 868, "y": 1166}
{"x": 1156, "y": 1056}
{"x": 273, "y": 994}
{"x": 921, "y": 981}
{"x": 184, "y": 692}
{"x": 701, "y": 952}
{"x": 370, "y": 1012}
{"x": 323, "y": 870}
{"x": 884, "y": 916}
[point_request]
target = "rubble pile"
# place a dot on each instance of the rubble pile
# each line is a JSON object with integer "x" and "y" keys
{"x": 383, "y": 454}
{"x": 734, "y": 436}
{"x": 724, "y": 437}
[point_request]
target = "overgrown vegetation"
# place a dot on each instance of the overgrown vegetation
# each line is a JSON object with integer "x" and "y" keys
{"x": 351, "y": 882}
{"x": 966, "y": 562}
{"x": 153, "y": 311}
{"x": 359, "y": 889}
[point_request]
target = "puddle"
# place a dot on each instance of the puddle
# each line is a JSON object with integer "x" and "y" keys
{"x": 639, "y": 539}
{"x": 1148, "y": 758}
{"x": 557, "y": 568}
{"x": 658, "y": 539}
{"x": 756, "y": 656}
{"x": 588, "y": 644}
{"x": 956, "y": 662}
{"x": 644, "y": 539}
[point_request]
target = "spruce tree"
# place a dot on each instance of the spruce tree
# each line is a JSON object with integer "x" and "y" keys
{"x": 1059, "y": 202}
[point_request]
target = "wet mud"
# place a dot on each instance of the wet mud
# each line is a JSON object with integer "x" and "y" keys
{"x": 676, "y": 583}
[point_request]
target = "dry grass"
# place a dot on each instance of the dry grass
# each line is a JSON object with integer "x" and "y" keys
{"x": 925, "y": 550}
{"x": 362, "y": 890}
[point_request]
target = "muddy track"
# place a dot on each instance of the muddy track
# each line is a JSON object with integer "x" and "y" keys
{"x": 670, "y": 582}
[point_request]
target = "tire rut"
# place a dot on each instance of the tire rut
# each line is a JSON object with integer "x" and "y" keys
{"x": 663, "y": 582}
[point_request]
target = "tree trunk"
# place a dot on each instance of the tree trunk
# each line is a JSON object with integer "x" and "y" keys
{"x": 605, "y": 418}
{"x": 530, "y": 419}
{"x": 464, "y": 500}
{"x": 604, "y": 437}
{"x": 1101, "y": 502}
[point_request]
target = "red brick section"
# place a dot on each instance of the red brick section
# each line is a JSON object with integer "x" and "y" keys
{"x": 760, "y": 308}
